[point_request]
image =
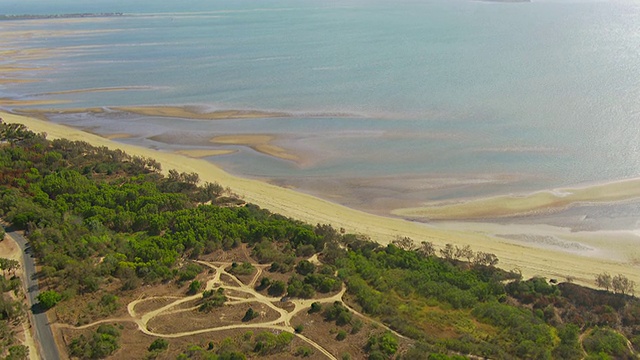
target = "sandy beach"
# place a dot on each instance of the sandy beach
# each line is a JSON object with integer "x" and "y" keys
{"x": 533, "y": 257}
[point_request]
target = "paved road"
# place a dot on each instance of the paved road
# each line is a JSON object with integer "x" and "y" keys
{"x": 43, "y": 334}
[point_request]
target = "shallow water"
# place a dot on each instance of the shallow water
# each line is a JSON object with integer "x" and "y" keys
{"x": 392, "y": 103}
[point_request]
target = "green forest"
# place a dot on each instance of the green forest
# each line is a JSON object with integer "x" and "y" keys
{"x": 95, "y": 216}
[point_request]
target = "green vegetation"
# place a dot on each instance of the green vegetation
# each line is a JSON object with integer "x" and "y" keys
{"x": 49, "y": 298}
{"x": 606, "y": 342}
{"x": 243, "y": 269}
{"x": 383, "y": 346}
{"x": 156, "y": 348}
{"x": 212, "y": 299}
{"x": 304, "y": 351}
{"x": 194, "y": 287}
{"x": 12, "y": 312}
{"x": 159, "y": 344}
{"x": 100, "y": 344}
{"x": 97, "y": 218}
{"x": 249, "y": 315}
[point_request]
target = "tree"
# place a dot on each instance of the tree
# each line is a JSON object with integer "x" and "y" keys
{"x": 49, "y": 298}
{"x": 2, "y": 233}
{"x": 464, "y": 252}
{"x": 404, "y": 243}
{"x": 305, "y": 267}
{"x": 622, "y": 285}
{"x": 194, "y": 287}
{"x": 18, "y": 352}
{"x": 604, "y": 281}
{"x": 315, "y": 307}
{"x": 100, "y": 344}
{"x": 486, "y": 259}
{"x": 159, "y": 344}
{"x": 9, "y": 265}
{"x": 447, "y": 252}
{"x": 250, "y": 315}
{"x": 277, "y": 288}
{"x": 426, "y": 249}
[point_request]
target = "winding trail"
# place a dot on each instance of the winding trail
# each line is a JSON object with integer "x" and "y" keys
{"x": 282, "y": 323}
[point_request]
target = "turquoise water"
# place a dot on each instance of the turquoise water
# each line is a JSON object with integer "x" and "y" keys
{"x": 392, "y": 102}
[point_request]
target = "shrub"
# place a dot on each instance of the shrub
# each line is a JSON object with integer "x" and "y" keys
{"x": 315, "y": 307}
{"x": 100, "y": 344}
{"x": 194, "y": 287}
{"x": 250, "y": 315}
{"x": 341, "y": 335}
{"x": 304, "y": 351}
{"x": 605, "y": 341}
{"x": 277, "y": 288}
{"x": 49, "y": 298}
{"x": 159, "y": 344}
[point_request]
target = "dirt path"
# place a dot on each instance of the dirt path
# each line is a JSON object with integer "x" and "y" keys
{"x": 282, "y": 323}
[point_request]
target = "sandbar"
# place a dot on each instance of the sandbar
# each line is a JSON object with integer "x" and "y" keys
{"x": 8, "y": 69}
{"x": 117, "y": 136}
{"x": 18, "y": 102}
{"x": 527, "y": 258}
{"x": 259, "y": 143}
{"x": 201, "y": 153}
{"x": 519, "y": 205}
{"x": 15, "y": 81}
{"x": 184, "y": 112}
{"x": 90, "y": 90}
{"x": 193, "y": 112}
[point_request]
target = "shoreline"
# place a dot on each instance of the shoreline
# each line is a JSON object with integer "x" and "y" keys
{"x": 529, "y": 259}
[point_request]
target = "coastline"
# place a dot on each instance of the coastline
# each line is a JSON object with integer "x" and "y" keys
{"x": 528, "y": 258}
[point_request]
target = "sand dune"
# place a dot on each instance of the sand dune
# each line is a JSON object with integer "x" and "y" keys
{"x": 529, "y": 258}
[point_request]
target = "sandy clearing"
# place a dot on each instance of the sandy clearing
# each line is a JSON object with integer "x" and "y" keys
{"x": 529, "y": 259}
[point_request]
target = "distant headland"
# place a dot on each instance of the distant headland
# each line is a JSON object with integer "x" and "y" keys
{"x": 59, "y": 16}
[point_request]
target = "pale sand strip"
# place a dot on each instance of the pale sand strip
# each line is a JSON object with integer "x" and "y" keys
{"x": 91, "y": 90}
{"x": 530, "y": 260}
{"x": 259, "y": 143}
{"x": 17, "y": 102}
{"x": 15, "y": 81}
{"x": 11, "y": 69}
{"x": 118, "y": 136}
{"x": 538, "y": 202}
{"x": 201, "y": 153}
{"x": 185, "y": 112}
{"x": 190, "y": 112}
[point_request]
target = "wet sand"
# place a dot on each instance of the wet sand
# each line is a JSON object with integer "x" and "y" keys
{"x": 193, "y": 112}
{"x": 533, "y": 256}
{"x": 201, "y": 153}
{"x": 185, "y": 112}
{"x": 17, "y": 102}
{"x": 259, "y": 143}
{"x": 535, "y": 203}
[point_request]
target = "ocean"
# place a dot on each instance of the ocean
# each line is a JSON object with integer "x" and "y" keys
{"x": 389, "y": 104}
